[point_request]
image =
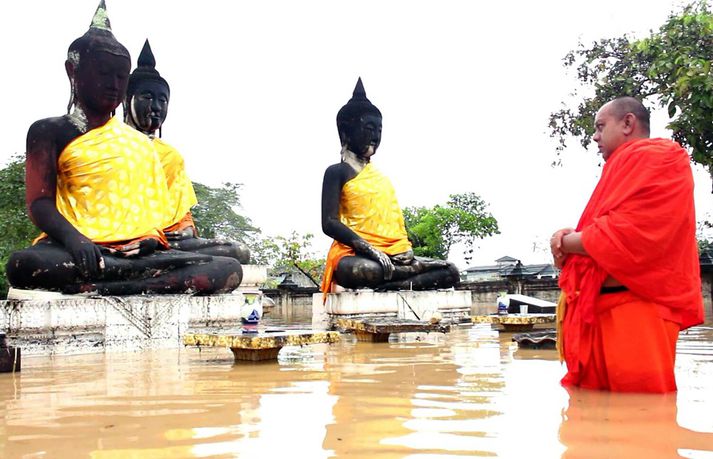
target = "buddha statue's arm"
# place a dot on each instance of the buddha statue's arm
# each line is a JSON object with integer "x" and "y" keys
{"x": 45, "y": 140}
{"x": 334, "y": 179}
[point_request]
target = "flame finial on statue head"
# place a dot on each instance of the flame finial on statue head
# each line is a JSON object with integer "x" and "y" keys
{"x": 101, "y": 19}
{"x": 357, "y": 106}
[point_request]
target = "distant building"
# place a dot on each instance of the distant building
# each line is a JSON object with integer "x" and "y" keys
{"x": 295, "y": 280}
{"x": 508, "y": 267}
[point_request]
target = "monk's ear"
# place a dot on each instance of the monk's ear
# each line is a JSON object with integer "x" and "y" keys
{"x": 629, "y": 123}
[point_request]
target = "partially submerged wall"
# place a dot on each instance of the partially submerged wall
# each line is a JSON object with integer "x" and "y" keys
{"x": 95, "y": 324}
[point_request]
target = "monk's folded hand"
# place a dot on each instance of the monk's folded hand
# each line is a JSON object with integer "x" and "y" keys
{"x": 556, "y": 243}
{"x": 86, "y": 255}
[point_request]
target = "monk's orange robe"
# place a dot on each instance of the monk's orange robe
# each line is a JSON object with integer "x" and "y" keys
{"x": 111, "y": 186}
{"x": 180, "y": 189}
{"x": 368, "y": 206}
{"x": 639, "y": 228}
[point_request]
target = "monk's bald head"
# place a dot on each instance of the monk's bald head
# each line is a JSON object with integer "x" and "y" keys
{"x": 618, "y": 122}
{"x": 621, "y": 106}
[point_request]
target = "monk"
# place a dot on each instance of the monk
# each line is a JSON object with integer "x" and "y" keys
{"x": 145, "y": 109}
{"x": 630, "y": 273}
{"x": 96, "y": 189}
{"x": 361, "y": 213}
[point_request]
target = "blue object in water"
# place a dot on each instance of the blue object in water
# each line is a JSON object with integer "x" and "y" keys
{"x": 252, "y": 318}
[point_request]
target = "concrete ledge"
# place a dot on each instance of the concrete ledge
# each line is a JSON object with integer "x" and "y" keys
{"x": 378, "y": 330}
{"x": 74, "y": 325}
{"x": 516, "y": 322}
{"x": 448, "y": 306}
{"x": 253, "y": 276}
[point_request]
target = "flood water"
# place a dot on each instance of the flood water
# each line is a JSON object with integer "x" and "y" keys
{"x": 470, "y": 393}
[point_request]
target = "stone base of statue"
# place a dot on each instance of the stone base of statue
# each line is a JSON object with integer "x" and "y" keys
{"x": 426, "y": 307}
{"x": 51, "y": 323}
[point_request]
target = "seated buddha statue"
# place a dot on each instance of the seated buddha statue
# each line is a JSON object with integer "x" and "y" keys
{"x": 95, "y": 187}
{"x": 145, "y": 109}
{"x": 361, "y": 213}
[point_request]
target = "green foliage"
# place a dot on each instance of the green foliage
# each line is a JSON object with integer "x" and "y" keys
{"x": 215, "y": 216}
{"x": 703, "y": 236}
{"x": 18, "y": 231}
{"x": 285, "y": 253}
{"x": 463, "y": 219}
{"x": 670, "y": 69}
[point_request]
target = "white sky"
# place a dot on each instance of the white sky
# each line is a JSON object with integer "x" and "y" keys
{"x": 465, "y": 88}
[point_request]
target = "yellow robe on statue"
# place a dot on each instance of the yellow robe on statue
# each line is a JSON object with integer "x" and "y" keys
{"x": 180, "y": 188}
{"x": 368, "y": 206}
{"x": 111, "y": 186}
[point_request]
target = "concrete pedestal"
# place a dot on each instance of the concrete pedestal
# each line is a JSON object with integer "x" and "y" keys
{"x": 50, "y": 323}
{"x": 446, "y": 306}
{"x": 515, "y": 322}
{"x": 82, "y": 325}
{"x": 264, "y": 345}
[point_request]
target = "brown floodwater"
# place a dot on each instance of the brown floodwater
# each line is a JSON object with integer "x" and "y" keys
{"x": 470, "y": 393}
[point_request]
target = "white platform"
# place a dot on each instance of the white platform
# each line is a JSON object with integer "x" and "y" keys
{"x": 447, "y": 305}
{"x": 253, "y": 276}
{"x": 43, "y": 322}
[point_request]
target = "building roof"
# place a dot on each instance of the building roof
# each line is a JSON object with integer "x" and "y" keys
{"x": 518, "y": 269}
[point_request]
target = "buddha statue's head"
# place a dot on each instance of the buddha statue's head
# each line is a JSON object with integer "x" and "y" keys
{"x": 98, "y": 67}
{"x": 359, "y": 124}
{"x": 147, "y": 96}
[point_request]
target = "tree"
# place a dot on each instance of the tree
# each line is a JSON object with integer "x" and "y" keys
{"x": 284, "y": 253}
{"x": 670, "y": 69}
{"x": 215, "y": 215}
{"x": 18, "y": 231}
{"x": 463, "y": 219}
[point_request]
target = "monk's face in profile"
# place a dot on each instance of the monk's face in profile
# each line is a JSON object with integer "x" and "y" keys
{"x": 149, "y": 106}
{"x": 609, "y": 130}
{"x": 100, "y": 80}
{"x": 365, "y": 136}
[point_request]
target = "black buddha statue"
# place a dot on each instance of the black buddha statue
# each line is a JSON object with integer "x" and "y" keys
{"x": 360, "y": 212}
{"x": 146, "y": 108}
{"x": 96, "y": 189}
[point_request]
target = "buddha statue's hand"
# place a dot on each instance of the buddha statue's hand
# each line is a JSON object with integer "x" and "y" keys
{"x": 403, "y": 258}
{"x": 137, "y": 249}
{"x": 86, "y": 255}
{"x": 365, "y": 249}
{"x": 186, "y": 233}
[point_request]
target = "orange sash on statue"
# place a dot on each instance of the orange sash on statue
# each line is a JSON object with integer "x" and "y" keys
{"x": 368, "y": 206}
{"x": 638, "y": 227}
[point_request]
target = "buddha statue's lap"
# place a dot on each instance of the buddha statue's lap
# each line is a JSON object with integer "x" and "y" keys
{"x": 361, "y": 213}
{"x": 48, "y": 266}
{"x": 92, "y": 181}
{"x": 146, "y": 108}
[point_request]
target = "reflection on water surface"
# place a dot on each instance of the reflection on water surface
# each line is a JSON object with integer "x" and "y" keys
{"x": 468, "y": 393}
